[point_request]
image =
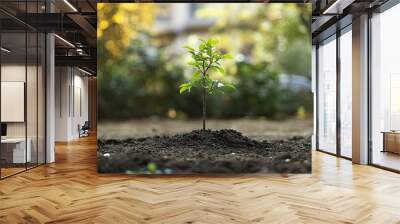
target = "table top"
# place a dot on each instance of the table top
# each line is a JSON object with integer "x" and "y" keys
{"x": 391, "y": 132}
{"x": 13, "y": 140}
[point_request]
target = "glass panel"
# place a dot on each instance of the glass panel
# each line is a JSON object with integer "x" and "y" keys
{"x": 31, "y": 97}
{"x": 386, "y": 89}
{"x": 346, "y": 94}
{"x": 13, "y": 88}
{"x": 22, "y": 89}
{"x": 32, "y": 87}
{"x": 327, "y": 96}
{"x": 41, "y": 99}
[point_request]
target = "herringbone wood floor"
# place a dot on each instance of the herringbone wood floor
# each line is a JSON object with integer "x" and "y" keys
{"x": 71, "y": 191}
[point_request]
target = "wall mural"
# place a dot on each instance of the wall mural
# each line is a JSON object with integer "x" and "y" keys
{"x": 204, "y": 88}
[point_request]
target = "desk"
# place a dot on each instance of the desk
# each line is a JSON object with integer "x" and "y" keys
{"x": 18, "y": 150}
{"x": 391, "y": 141}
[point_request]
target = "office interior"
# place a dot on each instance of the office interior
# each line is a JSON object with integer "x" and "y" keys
{"x": 47, "y": 93}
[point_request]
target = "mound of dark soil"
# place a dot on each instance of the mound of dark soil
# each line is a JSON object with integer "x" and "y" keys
{"x": 204, "y": 151}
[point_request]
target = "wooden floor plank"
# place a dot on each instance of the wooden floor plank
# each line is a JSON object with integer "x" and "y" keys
{"x": 71, "y": 191}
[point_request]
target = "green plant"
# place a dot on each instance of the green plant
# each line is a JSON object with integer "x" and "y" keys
{"x": 204, "y": 60}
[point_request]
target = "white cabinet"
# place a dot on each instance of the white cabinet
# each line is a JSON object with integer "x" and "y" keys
{"x": 19, "y": 155}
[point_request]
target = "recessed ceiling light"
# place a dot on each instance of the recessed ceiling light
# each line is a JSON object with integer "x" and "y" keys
{"x": 5, "y": 50}
{"x": 70, "y": 5}
{"x": 64, "y": 40}
{"x": 337, "y": 7}
{"x": 84, "y": 71}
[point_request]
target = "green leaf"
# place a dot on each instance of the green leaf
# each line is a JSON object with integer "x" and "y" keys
{"x": 196, "y": 79}
{"x": 230, "y": 86}
{"x": 209, "y": 82}
{"x": 203, "y": 46}
{"x": 227, "y": 56}
{"x": 196, "y": 76}
{"x": 203, "y": 57}
{"x": 185, "y": 87}
{"x": 189, "y": 48}
{"x": 192, "y": 63}
{"x": 212, "y": 42}
{"x": 218, "y": 69}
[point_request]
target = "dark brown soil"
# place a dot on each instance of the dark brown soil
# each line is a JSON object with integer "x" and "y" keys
{"x": 208, "y": 152}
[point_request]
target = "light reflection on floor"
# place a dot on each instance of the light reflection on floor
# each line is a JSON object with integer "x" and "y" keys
{"x": 386, "y": 159}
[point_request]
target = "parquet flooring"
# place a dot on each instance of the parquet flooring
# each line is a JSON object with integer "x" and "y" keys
{"x": 10, "y": 171}
{"x": 71, "y": 191}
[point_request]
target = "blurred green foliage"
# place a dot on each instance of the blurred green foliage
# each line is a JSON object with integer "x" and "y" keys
{"x": 142, "y": 79}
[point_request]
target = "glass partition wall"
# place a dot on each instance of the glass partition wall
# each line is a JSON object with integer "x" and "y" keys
{"x": 22, "y": 98}
{"x": 385, "y": 89}
{"x": 334, "y": 94}
{"x": 13, "y": 110}
{"x": 334, "y": 105}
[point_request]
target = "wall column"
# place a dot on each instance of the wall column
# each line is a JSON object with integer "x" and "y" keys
{"x": 92, "y": 98}
{"x": 50, "y": 99}
{"x": 314, "y": 92}
{"x": 360, "y": 90}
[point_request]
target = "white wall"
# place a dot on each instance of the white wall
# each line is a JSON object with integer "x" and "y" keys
{"x": 33, "y": 126}
{"x": 12, "y": 73}
{"x": 62, "y": 82}
{"x": 80, "y": 94}
{"x": 71, "y": 94}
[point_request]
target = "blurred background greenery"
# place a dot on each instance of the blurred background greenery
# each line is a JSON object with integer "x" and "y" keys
{"x": 141, "y": 62}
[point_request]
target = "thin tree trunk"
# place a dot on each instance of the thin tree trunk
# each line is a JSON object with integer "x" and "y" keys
{"x": 204, "y": 108}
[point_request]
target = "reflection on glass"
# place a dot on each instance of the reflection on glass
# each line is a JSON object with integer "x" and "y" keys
{"x": 327, "y": 96}
{"x": 31, "y": 101}
{"x": 41, "y": 99}
{"x": 346, "y": 94}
